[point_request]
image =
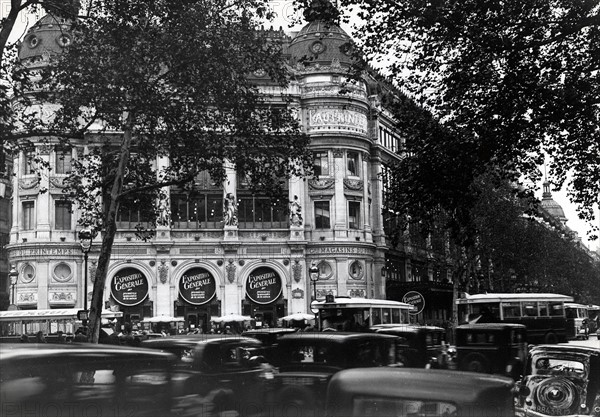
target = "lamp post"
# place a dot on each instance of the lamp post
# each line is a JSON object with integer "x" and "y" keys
{"x": 313, "y": 273}
{"x": 14, "y": 275}
{"x": 85, "y": 240}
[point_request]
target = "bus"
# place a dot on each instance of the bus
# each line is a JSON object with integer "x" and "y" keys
{"x": 577, "y": 320}
{"x": 16, "y": 323}
{"x": 359, "y": 314}
{"x": 594, "y": 314}
{"x": 543, "y": 314}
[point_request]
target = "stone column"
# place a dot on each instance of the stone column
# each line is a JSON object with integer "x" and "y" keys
{"x": 339, "y": 210}
{"x": 44, "y": 202}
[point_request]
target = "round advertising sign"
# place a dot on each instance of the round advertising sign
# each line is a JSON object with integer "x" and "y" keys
{"x": 197, "y": 286}
{"x": 263, "y": 285}
{"x": 415, "y": 298}
{"x": 129, "y": 287}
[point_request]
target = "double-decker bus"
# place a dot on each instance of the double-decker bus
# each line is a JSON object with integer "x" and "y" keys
{"x": 16, "y": 323}
{"x": 577, "y": 320}
{"x": 543, "y": 314}
{"x": 359, "y": 314}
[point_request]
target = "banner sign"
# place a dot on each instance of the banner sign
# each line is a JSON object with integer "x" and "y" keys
{"x": 197, "y": 286}
{"x": 263, "y": 285}
{"x": 129, "y": 287}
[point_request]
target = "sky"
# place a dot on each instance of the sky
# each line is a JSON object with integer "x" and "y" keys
{"x": 285, "y": 14}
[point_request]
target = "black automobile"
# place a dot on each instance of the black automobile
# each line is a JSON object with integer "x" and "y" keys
{"x": 270, "y": 340}
{"x": 82, "y": 379}
{"x": 498, "y": 348}
{"x": 309, "y": 360}
{"x": 229, "y": 370}
{"x": 561, "y": 380}
{"x": 391, "y": 392}
{"x": 418, "y": 346}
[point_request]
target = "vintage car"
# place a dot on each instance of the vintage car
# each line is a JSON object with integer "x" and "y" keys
{"x": 309, "y": 360}
{"x": 391, "y": 392}
{"x": 418, "y": 346}
{"x": 270, "y": 339}
{"x": 561, "y": 380}
{"x": 499, "y": 348}
{"x": 229, "y": 369}
{"x": 84, "y": 379}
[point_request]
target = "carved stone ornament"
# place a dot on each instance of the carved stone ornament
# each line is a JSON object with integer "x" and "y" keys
{"x": 297, "y": 271}
{"x": 297, "y": 293}
{"x": 163, "y": 271}
{"x": 230, "y": 271}
{"x": 338, "y": 153}
{"x": 353, "y": 185}
{"x": 358, "y": 293}
{"x": 56, "y": 182}
{"x": 321, "y": 184}
{"x": 93, "y": 266}
{"x": 45, "y": 149}
{"x": 28, "y": 183}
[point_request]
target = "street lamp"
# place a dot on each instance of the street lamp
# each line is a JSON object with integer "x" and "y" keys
{"x": 14, "y": 275}
{"x": 85, "y": 239}
{"x": 313, "y": 273}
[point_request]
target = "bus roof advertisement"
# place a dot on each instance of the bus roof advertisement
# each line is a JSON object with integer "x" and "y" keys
{"x": 129, "y": 287}
{"x": 416, "y": 299}
{"x": 197, "y": 286}
{"x": 263, "y": 285}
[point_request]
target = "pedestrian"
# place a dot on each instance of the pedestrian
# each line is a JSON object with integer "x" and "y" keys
{"x": 60, "y": 337}
{"x": 80, "y": 336}
{"x": 24, "y": 338}
{"x": 39, "y": 337}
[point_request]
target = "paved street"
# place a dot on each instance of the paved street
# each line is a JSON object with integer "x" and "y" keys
{"x": 592, "y": 341}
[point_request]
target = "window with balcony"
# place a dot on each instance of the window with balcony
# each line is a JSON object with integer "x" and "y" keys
{"x": 322, "y": 215}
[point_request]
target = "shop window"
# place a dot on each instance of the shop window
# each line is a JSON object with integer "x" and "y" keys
{"x": 28, "y": 215}
{"x": 322, "y": 215}
{"x": 62, "y": 215}
{"x": 261, "y": 212}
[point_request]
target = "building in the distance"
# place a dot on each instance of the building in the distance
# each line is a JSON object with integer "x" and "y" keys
{"x": 202, "y": 266}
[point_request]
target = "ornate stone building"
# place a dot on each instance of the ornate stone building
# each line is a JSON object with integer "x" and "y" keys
{"x": 227, "y": 251}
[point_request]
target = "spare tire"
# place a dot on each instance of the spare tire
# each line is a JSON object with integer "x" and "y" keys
{"x": 558, "y": 394}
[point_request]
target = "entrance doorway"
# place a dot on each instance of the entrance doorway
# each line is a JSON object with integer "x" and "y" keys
{"x": 265, "y": 315}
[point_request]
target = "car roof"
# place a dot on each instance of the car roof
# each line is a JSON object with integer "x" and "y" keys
{"x": 492, "y": 326}
{"x": 406, "y": 328}
{"x": 573, "y": 349}
{"x": 195, "y": 339}
{"x": 334, "y": 336}
{"x": 448, "y": 385}
{"x": 77, "y": 351}
{"x": 270, "y": 330}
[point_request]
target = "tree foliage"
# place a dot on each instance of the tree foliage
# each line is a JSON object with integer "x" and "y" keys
{"x": 163, "y": 80}
{"x": 510, "y": 83}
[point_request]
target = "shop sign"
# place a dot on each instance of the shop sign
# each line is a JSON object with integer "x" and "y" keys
{"x": 416, "y": 299}
{"x": 197, "y": 286}
{"x": 129, "y": 287}
{"x": 263, "y": 285}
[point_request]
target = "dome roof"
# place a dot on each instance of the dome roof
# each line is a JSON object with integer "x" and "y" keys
{"x": 49, "y": 36}
{"x": 551, "y": 206}
{"x": 321, "y": 42}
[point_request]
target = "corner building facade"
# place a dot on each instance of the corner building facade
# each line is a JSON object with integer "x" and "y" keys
{"x": 200, "y": 267}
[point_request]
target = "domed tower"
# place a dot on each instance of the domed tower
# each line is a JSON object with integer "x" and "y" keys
{"x": 43, "y": 244}
{"x": 336, "y": 114}
{"x": 551, "y": 206}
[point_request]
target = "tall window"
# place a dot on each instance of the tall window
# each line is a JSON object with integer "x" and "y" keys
{"x": 197, "y": 211}
{"x": 321, "y": 163}
{"x": 261, "y": 212}
{"x": 322, "y": 215}
{"x": 352, "y": 164}
{"x": 135, "y": 210}
{"x": 62, "y": 164}
{"x": 28, "y": 215}
{"x": 354, "y": 214}
{"x": 62, "y": 215}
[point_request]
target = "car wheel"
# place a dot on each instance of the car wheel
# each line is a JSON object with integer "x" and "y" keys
{"x": 557, "y": 394}
{"x": 550, "y": 338}
{"x": 476, "y": 362}
{"x": 296, "y": 401}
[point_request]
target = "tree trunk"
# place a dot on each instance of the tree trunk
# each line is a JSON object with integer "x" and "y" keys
{"x": 7, "y": 26}
{"x": 108, "y": 237}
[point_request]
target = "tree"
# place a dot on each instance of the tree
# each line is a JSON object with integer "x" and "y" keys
{"x": 508, "y": 83}
{"x": 166, "y": 81}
